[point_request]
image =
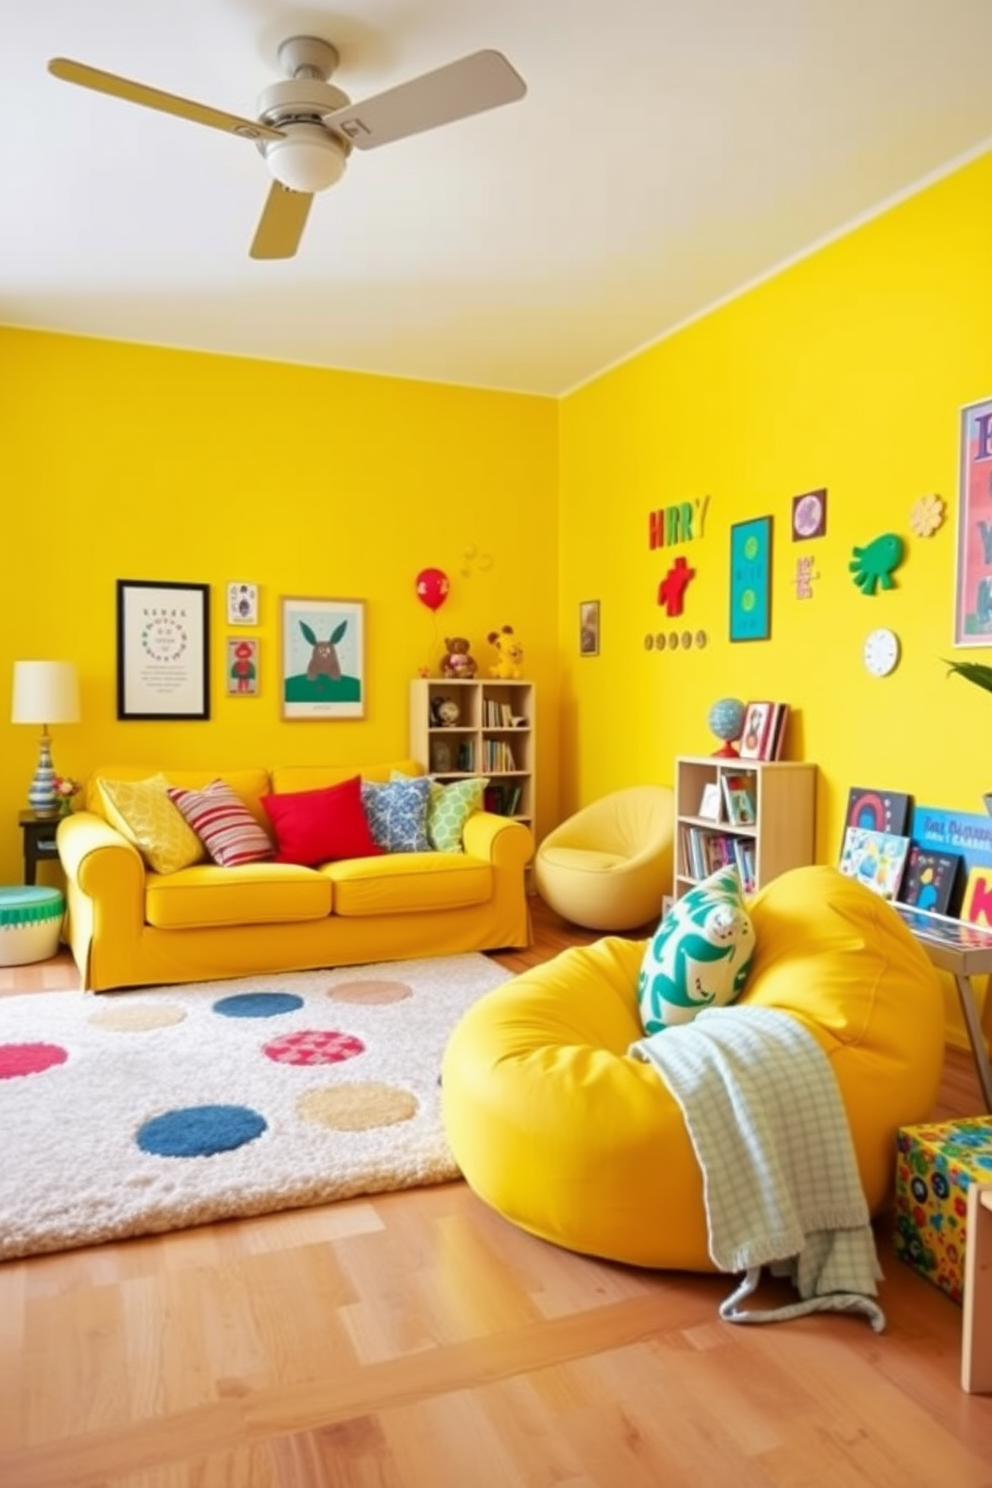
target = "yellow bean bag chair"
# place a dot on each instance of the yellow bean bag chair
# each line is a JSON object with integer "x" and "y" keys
{"x": 555, "y": 1126}
{"x": 608, "y": 866}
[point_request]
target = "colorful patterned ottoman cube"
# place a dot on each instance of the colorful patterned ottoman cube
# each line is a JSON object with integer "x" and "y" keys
{"x": 934, "y": 1167}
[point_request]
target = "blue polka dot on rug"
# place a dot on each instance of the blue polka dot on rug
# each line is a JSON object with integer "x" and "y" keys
{"x": 200, "y": 1131}
{"x": 258, "y": 1004}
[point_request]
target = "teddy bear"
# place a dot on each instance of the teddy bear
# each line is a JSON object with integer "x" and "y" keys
{"x": 458, "y": 660}
{"x": 510, "y": 652}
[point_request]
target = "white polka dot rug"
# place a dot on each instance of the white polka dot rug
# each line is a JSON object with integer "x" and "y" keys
{"x": 132, "y": 1113}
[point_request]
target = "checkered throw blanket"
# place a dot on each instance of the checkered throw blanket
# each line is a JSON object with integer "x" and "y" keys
{"x": 781, "y": 1180}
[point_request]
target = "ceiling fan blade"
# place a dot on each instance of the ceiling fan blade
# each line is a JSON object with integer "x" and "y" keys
{"x": 481, "y": 81}
{"x": 281, "y": 225}
{"x": 167, "y": 103}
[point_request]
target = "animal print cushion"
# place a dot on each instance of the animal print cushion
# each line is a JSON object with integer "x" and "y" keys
{"x": 397, "y": 812}
{"x": 700, "y": 954}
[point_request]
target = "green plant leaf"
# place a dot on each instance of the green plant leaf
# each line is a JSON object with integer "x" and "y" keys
{"x": 972, "y": 671}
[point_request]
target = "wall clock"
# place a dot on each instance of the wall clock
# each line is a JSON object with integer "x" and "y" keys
{"x": 881, "y": 652}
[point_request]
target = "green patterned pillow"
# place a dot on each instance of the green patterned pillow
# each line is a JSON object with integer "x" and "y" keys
{"x": 450, "y": 808}
{"x": 700, "y": 954}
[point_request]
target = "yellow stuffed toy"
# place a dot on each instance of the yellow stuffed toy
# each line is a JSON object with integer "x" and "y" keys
{"x": 510, "y": 652}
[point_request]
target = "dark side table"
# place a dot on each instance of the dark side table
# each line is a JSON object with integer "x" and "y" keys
{"x": 39, "y": 842}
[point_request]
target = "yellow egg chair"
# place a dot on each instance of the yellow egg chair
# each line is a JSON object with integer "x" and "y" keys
{"x": 608, "y": 866}
{"x": 558, "y": 1128}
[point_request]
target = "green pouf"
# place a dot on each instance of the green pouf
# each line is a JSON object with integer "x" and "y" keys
{"x": 30, "y": 924}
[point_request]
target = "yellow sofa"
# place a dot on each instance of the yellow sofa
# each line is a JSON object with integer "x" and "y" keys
{"x": 128, "y": 926}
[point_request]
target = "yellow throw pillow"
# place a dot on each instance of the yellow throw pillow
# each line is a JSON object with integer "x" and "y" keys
{"x": 142, "y": 812}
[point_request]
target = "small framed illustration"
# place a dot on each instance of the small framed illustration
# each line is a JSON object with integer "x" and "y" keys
{"x": 751, "y": 580}
{"x": 242, "y": 604}
{"x": 241, "y": 666}
{"x": 809, "y": 515}
{"x": 589, "y": 627}
{"x": 323, "y": 658}
{"x": 753, "y": 742}
{"x": 163, "y": 636}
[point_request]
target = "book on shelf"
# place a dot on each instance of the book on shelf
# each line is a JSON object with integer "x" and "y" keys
{"x": 876, "y": 859}
{"x": 776, "y": 740}
{"x": 711, "y": 803}
{"x": 763, "y": 733}
{"x": 881, "y": 810}
{"x": 738, "y": 796}
{"x": 977, "y": 905}
{"x": 933, "y": 880}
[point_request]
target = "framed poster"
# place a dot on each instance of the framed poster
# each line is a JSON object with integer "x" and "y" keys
{"x": 241, "y": 666}
{"x": 973, "y": 586}
{"x": 242, "y": 604}
{"x": 751, "y": 580}
{"x": 756, "y": 731}
{"x": 589, "y": 627}
{"x": 163, "y": 635}
{"x": 323, "y": 658}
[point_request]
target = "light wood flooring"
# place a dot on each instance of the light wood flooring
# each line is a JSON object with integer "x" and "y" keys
{"x": 417, "y": 1340}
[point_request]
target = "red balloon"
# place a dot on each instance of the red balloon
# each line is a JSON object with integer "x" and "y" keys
{"x": 432, "y": 587}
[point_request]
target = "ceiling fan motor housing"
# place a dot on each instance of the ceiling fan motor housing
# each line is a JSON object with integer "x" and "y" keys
{"x": 311, "y": 157}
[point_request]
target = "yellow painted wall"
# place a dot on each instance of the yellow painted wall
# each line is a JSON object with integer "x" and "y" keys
{"x": 848, "y": 370}
{"x": 121, "y": 461}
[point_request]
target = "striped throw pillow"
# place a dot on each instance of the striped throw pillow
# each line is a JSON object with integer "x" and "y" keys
{"x": 223, "y": 824}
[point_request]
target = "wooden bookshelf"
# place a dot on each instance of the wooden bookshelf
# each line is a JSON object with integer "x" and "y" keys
{"x": 493, "y": 736}
{"x": 781, "y": 837}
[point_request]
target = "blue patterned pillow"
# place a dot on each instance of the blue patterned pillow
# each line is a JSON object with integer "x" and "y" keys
{"x": 397, "y": 813}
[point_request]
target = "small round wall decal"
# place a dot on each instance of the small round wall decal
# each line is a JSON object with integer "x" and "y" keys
{"x": 648, "y": 642}
{"x": 357, "y": 1107}
{"x": 314, "y": 1046}
{"x": 29, "y": 1059}
{"x": 701, "y": 638}
{"x": 673, "y": 640}
{"x": 661, "y": 640}
{"x": 200, "y": 1131}
{"x": 257, "y": 1004}
{"x": 687, "y": 639}
{"x": 370, "y": 993}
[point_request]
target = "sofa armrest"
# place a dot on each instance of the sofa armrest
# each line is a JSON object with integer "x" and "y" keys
{"x": 499, "y": 840}
{"x": 105, "y": 887}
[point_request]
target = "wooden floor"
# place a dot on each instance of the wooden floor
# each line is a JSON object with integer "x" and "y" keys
{"x": 417, "y": 1340}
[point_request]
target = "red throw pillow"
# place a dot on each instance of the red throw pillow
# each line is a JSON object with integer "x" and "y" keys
{"x": 321, "y": 826}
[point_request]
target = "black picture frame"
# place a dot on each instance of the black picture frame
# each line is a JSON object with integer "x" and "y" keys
{"x": 163, "y": 650}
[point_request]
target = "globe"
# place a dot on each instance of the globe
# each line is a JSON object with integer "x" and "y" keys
{"x": 726, "y": 720}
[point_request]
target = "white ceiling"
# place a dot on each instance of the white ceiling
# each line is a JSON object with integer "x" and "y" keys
{"x": 668, "y": 152}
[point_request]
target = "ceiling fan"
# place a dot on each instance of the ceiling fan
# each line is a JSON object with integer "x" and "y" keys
{"x": 306, "y": 128}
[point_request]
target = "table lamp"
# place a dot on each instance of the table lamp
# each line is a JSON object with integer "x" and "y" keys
{"x": 45, "y": 692}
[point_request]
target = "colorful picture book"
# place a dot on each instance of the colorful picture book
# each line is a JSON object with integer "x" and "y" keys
{"x": 876, "y": 859}
{"x": 977, "y": 906}
{"x": 933, "y": 880}
{"x": 882, "y": 810}
{"x": 763, "y": 733}
{"x": 738, "y": 796}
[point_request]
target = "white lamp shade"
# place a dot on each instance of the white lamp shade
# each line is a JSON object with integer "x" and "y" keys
{"x": 45, "y": 692}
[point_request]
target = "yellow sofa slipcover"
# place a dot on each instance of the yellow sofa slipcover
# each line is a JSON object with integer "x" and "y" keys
{"x": 554, "y": 1125}
{"x": 129, "y": 926}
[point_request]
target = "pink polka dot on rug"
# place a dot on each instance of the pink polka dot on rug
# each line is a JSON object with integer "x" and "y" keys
{"x": 370, "y": 993}
{"x": 314, "y": 1046}
{"x": 29, "y": 1059}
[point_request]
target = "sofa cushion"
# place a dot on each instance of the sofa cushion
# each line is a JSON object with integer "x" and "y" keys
{"x": 321, "y": 826}
{"x": 142, "y": 812}
{"x": 223, "y": 824}
{"x": 206, "y": 896}
{"x": 408, "y": 883}
{"x": 397, "y": 812}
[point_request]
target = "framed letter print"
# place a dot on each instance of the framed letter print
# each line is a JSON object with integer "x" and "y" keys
{"x": 323, "y": 658}
{"x": 589, "y": 627}
{"x": 973, "y": 590}
{"x": 751, "y": 580}
{"x": 163, "y": 635}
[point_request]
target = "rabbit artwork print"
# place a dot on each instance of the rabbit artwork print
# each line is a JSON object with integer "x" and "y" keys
{"x": 323, "y": 670}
